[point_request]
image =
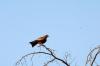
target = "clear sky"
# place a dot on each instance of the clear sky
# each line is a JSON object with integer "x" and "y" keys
{"x": 73, "y": 26}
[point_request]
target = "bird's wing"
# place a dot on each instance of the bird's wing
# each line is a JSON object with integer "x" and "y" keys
{"x": 41, "y": 38}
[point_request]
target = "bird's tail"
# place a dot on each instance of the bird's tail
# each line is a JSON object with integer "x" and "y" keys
{"x": 33, "y": 43}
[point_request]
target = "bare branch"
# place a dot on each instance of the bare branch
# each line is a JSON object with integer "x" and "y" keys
{"x": 49, "y": 62}
{"x": 95, "y": 57}
{"x": 23, "y": 57}
{"x": 92, "y": 56}
{"x": 50, "y": 53}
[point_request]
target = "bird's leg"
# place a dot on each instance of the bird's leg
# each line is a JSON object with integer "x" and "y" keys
{"x": 40, "y": 47}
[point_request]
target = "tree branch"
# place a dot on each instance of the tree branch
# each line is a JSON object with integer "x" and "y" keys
{"x": 92, "y": 56}
{"x": 50, "y": 53}
{"x": 49, "y": 62}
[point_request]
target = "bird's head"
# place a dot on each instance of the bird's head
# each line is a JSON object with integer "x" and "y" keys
{"x": 46, "y": 35}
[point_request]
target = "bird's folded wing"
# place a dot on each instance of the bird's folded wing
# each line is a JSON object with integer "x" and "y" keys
{"x": 40, "y": 38}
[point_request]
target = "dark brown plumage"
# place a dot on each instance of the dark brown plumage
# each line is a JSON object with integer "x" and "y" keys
{"x": 40, "y": 40}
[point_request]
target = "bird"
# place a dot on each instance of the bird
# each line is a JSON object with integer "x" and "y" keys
{"x": 41, "y": 40}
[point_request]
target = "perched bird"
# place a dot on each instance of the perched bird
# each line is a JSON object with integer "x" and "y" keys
{"x": 41, "y": 40}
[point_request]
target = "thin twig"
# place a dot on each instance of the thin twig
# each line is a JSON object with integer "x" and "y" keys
{"x": 49, "y": 62}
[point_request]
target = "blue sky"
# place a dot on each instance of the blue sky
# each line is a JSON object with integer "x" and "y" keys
{"x": 73, "y": 26}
